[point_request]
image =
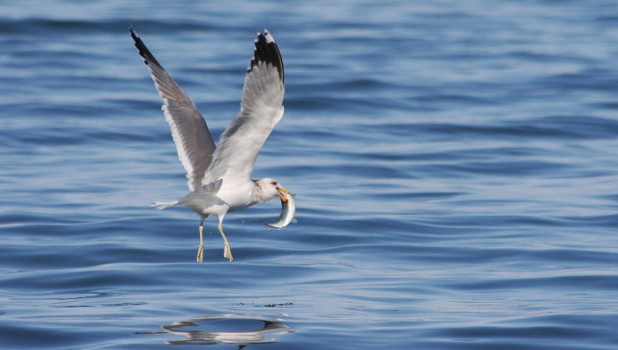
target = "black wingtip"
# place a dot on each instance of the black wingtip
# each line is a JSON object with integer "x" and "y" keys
{"x": 267, "y": 51}
{"x": 142, "y": 49}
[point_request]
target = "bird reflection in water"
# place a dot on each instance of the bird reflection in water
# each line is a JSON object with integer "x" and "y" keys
{"x": 226, "y": 329}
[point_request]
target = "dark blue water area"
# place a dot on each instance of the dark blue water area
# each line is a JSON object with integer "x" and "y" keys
{"x": 455, "y": 166}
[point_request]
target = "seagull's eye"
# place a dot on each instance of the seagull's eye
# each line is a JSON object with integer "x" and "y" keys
{"x": 274, "y": 183}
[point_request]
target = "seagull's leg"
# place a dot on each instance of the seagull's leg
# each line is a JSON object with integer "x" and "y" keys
{"x": 200, "y": 250}
{"x": 227, "y": 252}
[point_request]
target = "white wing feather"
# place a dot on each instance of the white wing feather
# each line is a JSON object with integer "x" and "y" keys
{"x": 260, "y": 111}
{"x": 194, "y": 143}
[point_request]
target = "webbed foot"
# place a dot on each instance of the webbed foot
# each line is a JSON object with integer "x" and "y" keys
{"x": 200, "y": 254}
{"x": 227, "y": 252}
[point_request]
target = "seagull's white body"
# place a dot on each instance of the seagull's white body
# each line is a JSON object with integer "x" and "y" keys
{"x": 220, "y": 177}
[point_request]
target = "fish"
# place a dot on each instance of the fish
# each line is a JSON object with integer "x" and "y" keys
{"x": 288, "y": 209}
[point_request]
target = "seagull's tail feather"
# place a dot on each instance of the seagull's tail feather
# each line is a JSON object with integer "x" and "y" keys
{"x": 163, "y": 205}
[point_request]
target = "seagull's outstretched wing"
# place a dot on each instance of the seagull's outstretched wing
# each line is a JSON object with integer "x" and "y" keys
{"x": 193, "y": 141}
{"x": 261, "y": 109}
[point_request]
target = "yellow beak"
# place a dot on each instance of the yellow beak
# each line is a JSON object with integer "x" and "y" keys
{"x": 283, "y": 190}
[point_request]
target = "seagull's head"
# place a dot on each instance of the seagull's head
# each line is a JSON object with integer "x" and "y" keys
{"x": 268, "y": 189}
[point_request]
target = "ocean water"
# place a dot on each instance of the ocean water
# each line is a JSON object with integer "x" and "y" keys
{"x": 455, "y": 165}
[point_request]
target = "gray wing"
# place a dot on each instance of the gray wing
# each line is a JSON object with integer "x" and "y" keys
{"x": 193, "y": 141}
{"x": 260, "y": 110}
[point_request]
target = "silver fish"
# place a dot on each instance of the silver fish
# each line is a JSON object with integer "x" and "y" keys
{"x": 288, "y": 209}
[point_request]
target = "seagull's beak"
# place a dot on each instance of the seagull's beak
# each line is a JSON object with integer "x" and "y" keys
{"x": 282, "y": 191}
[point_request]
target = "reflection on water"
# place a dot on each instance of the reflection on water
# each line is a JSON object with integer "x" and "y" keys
{"x": 226, "y": 329}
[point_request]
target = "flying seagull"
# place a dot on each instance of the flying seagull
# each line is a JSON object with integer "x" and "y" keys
{"x": 220, "y": 176}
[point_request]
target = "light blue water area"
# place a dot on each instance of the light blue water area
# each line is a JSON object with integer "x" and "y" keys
{"x": 455, "y": 165}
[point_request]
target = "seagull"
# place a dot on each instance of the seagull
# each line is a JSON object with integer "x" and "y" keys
{"x": 220, "y": 176}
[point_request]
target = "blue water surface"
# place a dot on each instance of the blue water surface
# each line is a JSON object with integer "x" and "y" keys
{"x": 455, "y": 165}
